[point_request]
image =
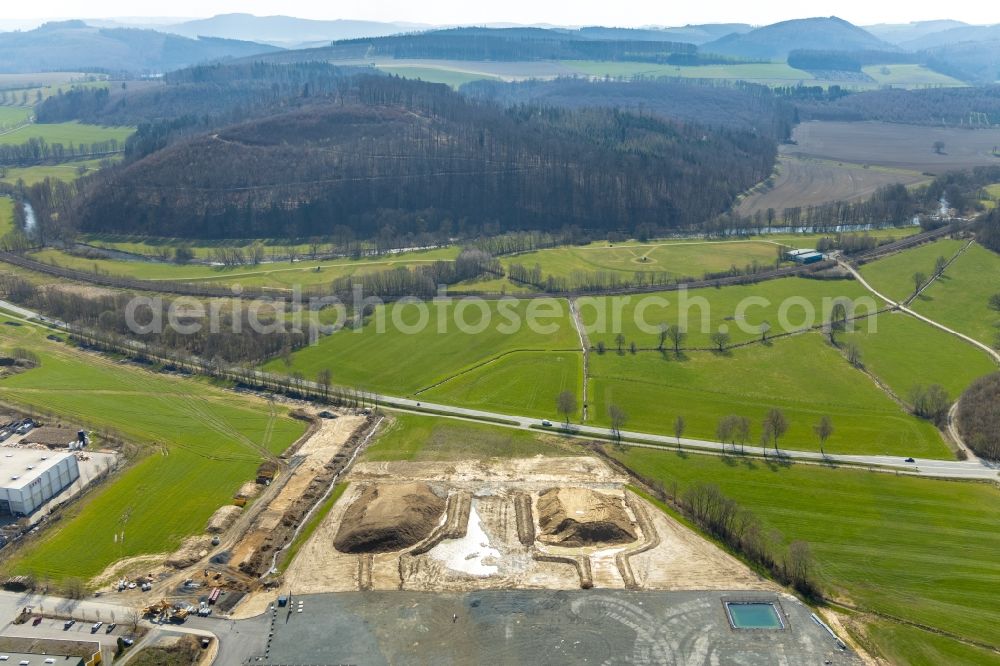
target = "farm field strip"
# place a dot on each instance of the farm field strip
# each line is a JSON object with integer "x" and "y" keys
{"x": 407, "y": 355}
{"x": 802, "y": 375}
{"x": 65, "y": 171}
{"x": 281, "y": 275}
{"x": 199, "y": 445}
{"x": 66, "y": 133}
{"x": 432, "y": 438}
{"x": 6, "y": 215}
{"x": 959, "y": 298}
{"x": 894, "y": 145}
{"x": 519, "y": 383}
{"x": 909, "y": 76}
{"x": 803, "y": 182}
{"x": 448, "y": 75}
{"x": 921, "y": 549}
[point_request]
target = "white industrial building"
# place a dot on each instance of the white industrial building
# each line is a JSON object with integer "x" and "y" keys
{"x": 31, "y": 477}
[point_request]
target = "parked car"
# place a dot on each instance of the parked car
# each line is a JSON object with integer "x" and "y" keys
{"x": 37, "y": 621}
{"x": 97, "y": 625}
{"x": 128, "y": 641}
{"x": 111, "y": 627}
{"x": 68, "y": 623}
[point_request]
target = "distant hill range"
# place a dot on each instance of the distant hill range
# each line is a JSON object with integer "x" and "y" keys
{"x": 74, "y": 45}
{"x": 954, "y": 36}
{"x": 501, "y": 44}
{"x": 774, "y": 42}
{"x": 287, "y": 31}
{"x": 898, "y": 33}
{"x": 291, "y": 32}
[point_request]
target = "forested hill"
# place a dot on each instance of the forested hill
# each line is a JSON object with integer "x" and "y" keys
{"x": 74, "y": 46}
{"x": 743, "y": 105}
{"x": 957, "y": 107}
{"x": 386, "y": 155}
{"x": 777, "y": 40}
{"x": 505, "y": 44}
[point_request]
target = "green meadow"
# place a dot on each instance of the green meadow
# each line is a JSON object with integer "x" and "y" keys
{"x": 65, "y": 133}
{"x": 404, "y": 347}
{"x": 199, "y": 445}
{"x": 430, "y": 438}
{"x": 678, "y": 258}
{"x": 12, "y": 116}
{"x": 66, "y": 172}
{"x": 6, "y": 215}
{"x": 446, "y": 75}
{"x": 893, "y": 275}
{"x": 787, "y": 304}
{"x": 906, "y": 645}
{"x": 905, "y": 352}
{"x": 909, "y": 76}
{"x": 282, "y": 275}
{"x": 802, "y": 375}
{"x": 960, "y": 297}
{"x": 772, "y": 72}
{"x": 920, "y": 549}
{"x": 520, "y": 383}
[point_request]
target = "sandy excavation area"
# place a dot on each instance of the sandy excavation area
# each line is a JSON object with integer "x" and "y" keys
{"x": 538, "y": 523}
{"x": 282, "y": 511}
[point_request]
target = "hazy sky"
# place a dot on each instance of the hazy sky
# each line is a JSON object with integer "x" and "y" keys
{"x": 563, "y": 12}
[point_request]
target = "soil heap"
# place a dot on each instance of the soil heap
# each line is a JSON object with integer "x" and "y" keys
{"x": 389, "y": 517}
{"x": 577, "y": 517}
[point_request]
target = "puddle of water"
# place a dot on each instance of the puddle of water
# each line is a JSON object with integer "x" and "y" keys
{"x": 472, "y": 554}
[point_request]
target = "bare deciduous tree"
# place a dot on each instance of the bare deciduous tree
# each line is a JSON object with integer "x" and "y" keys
{"x": 775, "y": 426}
{"x": 618, "y": 419}
{"x": 566, "y": 404}
{"x": 720, "y": 339}
{"x": 679, "y": 426}
{"x": 823, "y": 429}
{"x": 677, "y": 336}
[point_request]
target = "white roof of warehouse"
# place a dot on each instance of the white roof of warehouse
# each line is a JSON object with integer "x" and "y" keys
{"x": 15, "y": 462}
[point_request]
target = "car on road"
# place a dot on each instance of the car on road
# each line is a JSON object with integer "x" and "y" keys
{"x": 909, "y": 460}
{"x": 97, "y": 625}
{"x": 547, "y": 423}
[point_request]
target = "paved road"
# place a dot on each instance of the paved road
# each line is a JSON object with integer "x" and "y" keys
{"x": 922, "y": 467}
{"x": 19, "y": 311}
{"x": 970, "y": 469}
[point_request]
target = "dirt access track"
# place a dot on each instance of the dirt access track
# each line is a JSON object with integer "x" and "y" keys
{"x": 487, "y": 537}
{"x": 251, "y": 534}
{"x": 305, "y": 482}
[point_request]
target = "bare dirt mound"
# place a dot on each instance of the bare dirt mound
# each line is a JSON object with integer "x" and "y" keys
{"x": 389, "y": 517}
{"x": 577, "y": 517}
{"x": 223, "y": 518}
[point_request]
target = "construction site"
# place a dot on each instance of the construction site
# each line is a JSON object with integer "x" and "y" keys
{"x": 507, "y": 545}
{"x": 245, "y": 541}
{"x": 536, "y": 523}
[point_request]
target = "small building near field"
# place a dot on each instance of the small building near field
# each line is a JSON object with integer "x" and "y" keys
{"x": 42, "y": 651}
{"x": 31, "y": 477}
{"x": 804, "y": 256}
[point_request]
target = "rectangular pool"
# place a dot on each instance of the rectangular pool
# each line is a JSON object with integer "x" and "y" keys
{"x": 753, "y": 615}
